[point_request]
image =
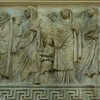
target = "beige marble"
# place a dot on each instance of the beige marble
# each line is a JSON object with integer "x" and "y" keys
{"x": 49, "y": 50}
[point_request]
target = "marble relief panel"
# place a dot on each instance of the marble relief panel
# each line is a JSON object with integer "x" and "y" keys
{"x": 50, "y": 45}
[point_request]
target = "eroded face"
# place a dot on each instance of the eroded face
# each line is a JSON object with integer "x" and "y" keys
{"x": 65, "y": 14}
{"x": 52, "y": 17}
{"x": 3, "y": 16}
{"x": 27, "y": 13}
{"x": 19, "y": 20}
{"x": 90, "y": 12}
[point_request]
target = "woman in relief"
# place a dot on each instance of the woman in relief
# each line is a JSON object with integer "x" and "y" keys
{"x": 89, "y": 66}
{"x": 30, "y": 43}
{"x": 64, "y": 49}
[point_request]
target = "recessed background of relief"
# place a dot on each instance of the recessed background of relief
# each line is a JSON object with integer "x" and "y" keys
{"x": 49, "y": 52}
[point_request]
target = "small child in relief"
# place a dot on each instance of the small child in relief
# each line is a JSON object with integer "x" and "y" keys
{"x": 47, "y": 58}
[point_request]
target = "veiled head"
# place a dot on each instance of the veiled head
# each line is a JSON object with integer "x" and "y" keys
{"x": 65, "y": 13}
{"x": 92, "y": 11}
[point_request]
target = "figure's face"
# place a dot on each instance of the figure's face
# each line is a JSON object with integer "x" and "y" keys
{"x": 90, "y": 12}
{"x": 19, "y": 20}
{"x": 52, "y": 17}
{"x": 2, "y": 16}
{"x": 27, "y": 13}
{"x": 65, "y": 14}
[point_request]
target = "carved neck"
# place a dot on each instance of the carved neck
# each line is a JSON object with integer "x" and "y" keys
{"x": 66, "y": 21}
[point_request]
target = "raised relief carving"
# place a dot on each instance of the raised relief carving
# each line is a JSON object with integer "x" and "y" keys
{"x": 62, "y": 56}
{"x": 5, "y": 44}
{"x": 89, "y": 65}
{"x": 47, "y": 60}
{"x": 47, "y": 48}
{"x": 28, "y": 63}
{"x": 64, "y": 51}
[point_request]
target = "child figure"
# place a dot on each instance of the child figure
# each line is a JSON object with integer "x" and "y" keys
{"x": 47, "y": 58}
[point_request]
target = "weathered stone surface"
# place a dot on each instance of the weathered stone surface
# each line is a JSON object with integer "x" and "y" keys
{"x": 49, "y": 52}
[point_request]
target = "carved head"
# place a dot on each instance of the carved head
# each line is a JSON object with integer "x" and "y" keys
{"x": 31, "y": 12}
{"x": 52, "y": 16}
{"x": 27, "y": 13}
{"x": 50, "y": 41}
{"x": 66, "y": 13}
{"x": 92, "y": 11}
{"x": 4, "y": 16}
{"x": 18, "y": 20}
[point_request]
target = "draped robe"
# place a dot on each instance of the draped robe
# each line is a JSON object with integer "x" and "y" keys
{"x": 89, "y": 64}
{"x": 64, "y": 55}
{"x": 4, "y": 43}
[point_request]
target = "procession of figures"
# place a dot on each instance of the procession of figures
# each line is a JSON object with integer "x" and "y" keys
{"x": 67, "y": 52}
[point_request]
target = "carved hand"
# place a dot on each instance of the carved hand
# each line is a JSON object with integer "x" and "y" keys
{"x": 76, "y": 28}
{"x": 14, "y": 50}
{"x": 93, "y": 37}
{"x": 33, "y": 29}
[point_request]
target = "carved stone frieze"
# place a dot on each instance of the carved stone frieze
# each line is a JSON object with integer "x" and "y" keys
{"x": 49, "y": 52}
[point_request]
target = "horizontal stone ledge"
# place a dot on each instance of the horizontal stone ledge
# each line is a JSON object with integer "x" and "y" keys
{"x": 32, "y": 3}
{"x": 49, "y": 86}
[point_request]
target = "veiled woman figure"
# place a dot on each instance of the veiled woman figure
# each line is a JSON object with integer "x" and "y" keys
{"x": 28, "y": 62}
{"x": 64, "y": 49}
{"x": 89, "y": 66}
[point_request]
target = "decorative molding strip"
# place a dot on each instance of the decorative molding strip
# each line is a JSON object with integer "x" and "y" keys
{"x": 49, "y": 93}
{"x": 46, "y": 2}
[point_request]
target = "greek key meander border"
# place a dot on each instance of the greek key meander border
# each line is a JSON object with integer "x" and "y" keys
{"x": 60, "y": 92}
